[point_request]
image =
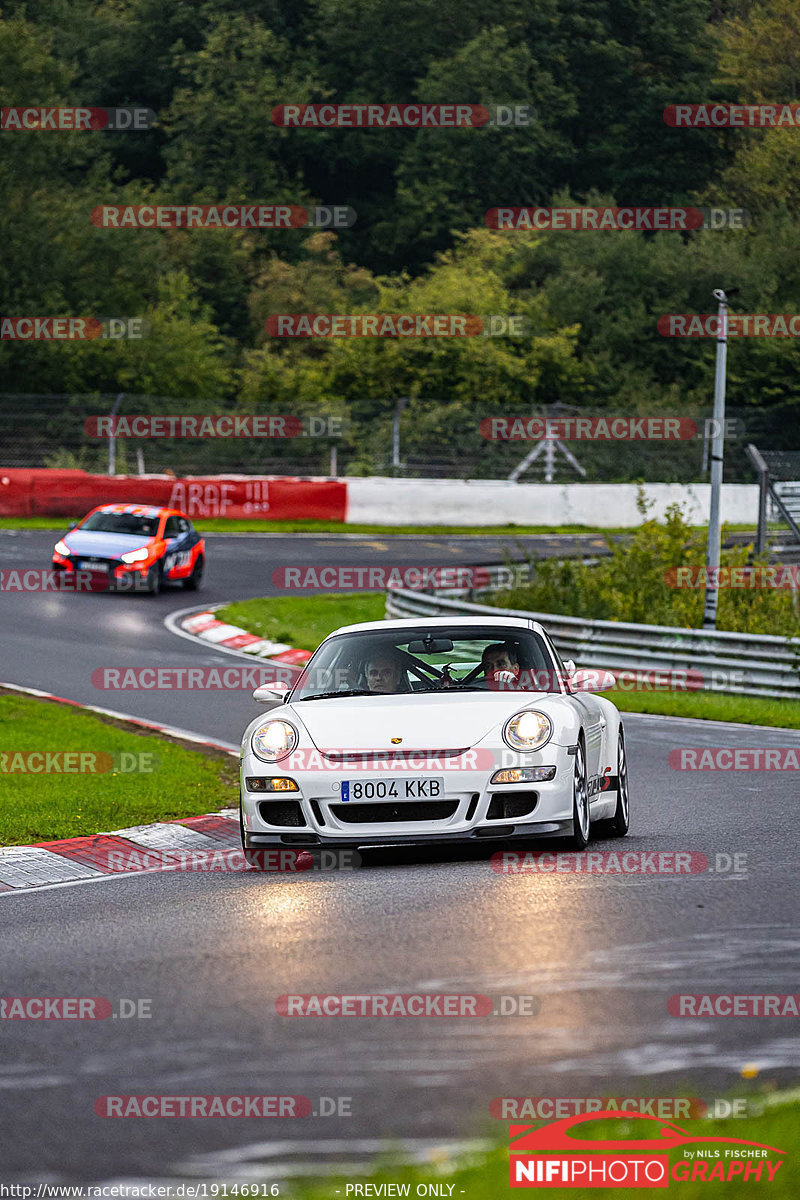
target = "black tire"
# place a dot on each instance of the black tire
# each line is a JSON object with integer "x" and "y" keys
{"x": 620, "y": 823}
{"x": 193, "y": 583}
{"x": 152, "y": 583}
{"x": 581, "y": 820}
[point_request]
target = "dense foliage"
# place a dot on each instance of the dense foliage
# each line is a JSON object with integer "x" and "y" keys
{"x": 599, "y": 74}
{"x": 637, "y": 582}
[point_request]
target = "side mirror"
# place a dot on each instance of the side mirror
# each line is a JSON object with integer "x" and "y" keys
{"x": 272, "y": 694}
{"x": 569, "y": 666}
{"x": 73, "y": 525}
{"x": 596, "y": 680}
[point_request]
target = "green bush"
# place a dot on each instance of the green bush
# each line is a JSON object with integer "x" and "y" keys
{"x": 630, "y": 584}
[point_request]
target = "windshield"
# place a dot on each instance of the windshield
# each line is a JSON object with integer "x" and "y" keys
{"x": 105, "y": 522}
{"x": 425, "y": 659}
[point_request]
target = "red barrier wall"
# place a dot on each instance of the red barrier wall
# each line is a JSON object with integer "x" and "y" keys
{"x": 55, "y": 493}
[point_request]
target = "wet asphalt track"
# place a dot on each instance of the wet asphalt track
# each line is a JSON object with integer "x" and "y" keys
{"x": 213, "y": 952}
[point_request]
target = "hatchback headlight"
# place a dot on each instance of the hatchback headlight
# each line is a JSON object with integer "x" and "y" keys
{"x": 135, "y": 555}
{"x": 61, "y": 548}
{"x": 528, "y": 730}
{"x": 274, "y": 740}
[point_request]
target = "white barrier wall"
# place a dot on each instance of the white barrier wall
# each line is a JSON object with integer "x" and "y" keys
{"x": 381, "y": 501}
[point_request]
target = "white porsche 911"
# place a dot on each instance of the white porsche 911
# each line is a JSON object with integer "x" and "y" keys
{"x": 433, "y": 730}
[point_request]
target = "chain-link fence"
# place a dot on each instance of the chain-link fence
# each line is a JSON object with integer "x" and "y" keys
{"x": 421, "y": 437}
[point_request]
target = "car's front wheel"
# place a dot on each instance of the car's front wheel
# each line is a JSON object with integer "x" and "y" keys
{"x": 580, "y": 802}
{"x": 196, "y": 578}
{"x": 619, "y": 824}
{"x": 152, "y": 583}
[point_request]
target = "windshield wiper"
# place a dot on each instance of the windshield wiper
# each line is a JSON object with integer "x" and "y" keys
{"x": 331, "y": 695}
{"x": 454, "y": 687}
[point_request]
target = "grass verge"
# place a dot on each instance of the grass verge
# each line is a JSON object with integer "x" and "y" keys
{"x": 485, "y": 1176}
{"x": 142, "y": 777}
{"x": 221, "y": 525}
{"x": 304, "y": 621}
{"x": 711, "y": 706}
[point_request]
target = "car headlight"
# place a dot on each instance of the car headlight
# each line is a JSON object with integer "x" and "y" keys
{"x": 528, "y": 730}
{"x": 61, "y": 548}
{"x": 274, "y": 740}
{"x": 135, "y": 555}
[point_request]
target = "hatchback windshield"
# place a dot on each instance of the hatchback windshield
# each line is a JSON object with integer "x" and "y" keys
{"x": 101, "y": 522}
{"x": 429, "y": 659}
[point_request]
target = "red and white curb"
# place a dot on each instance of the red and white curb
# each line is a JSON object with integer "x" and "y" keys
{"x": 205, "y": 627}
{"x": 140, "y": 848}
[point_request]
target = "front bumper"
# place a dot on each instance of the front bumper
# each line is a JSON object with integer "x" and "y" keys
{"x": 112, "y": 575}
{"x": 471, "y": 809}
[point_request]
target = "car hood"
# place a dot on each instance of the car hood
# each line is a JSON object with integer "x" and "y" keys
{"x": 104, "y": 545}
{"x": 428, "y": 722}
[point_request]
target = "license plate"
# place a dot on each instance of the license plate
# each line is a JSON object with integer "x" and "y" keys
{"x": 92, "y": 564}
{"x": 391, "y": 789}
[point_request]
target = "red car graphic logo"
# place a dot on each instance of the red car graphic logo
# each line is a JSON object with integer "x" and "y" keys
{"x": 526, "y": 1139}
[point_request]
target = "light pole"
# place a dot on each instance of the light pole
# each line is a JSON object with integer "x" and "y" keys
{"x": 712, "y": 555}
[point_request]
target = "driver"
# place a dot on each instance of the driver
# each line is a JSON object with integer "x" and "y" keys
{"x": 383, "y": 673}
{"x": 499, "y": 657}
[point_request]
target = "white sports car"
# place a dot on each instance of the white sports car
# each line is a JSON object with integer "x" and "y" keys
{"x": 433, "y": 730}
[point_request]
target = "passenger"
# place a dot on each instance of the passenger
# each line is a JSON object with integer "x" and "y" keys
{"x": 384, "y": 674}
{"x": 501, "y": 667}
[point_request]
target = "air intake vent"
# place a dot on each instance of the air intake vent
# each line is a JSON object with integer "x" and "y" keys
{"x": 281, "y": 812}
{"x": 505, "y": 806}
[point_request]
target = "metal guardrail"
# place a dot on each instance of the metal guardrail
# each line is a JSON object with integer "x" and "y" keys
{"x": 749, "y": 664}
